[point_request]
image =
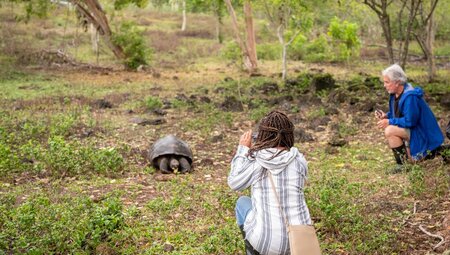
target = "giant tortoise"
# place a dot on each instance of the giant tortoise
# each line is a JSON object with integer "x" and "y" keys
{"x": 170, "y": 154}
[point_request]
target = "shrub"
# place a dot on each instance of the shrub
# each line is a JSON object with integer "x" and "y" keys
{"x": 42, "y": 226}
{"x": 153, "y": 103}
{"x": 296, "y": 49}
{"x": 107, "y": 160}
{"x": 9, "y": 162}
{"x": 106, "y": 220}
{"x": 318, "y": 50}
{"x": 231, "y": 51}
{"x": 135, "y": 48}
{"x": 269, "y": 51}
{"x": 344, "y": 37}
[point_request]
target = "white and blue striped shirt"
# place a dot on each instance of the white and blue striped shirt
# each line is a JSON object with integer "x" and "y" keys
{"x": 264, "y": 226}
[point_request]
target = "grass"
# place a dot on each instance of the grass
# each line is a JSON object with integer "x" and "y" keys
{"x": 75, "y": 180}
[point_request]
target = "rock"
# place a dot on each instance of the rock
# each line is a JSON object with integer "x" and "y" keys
{"x": 157, "y": 121}
{"x": 217, "y": 137}
{"x": 205, "y": 99}
{"x": 337, "y": 141}
{"x": 338, "y": 96}
{"x": 322, "y": 82}
{"x": 366, "y": 106}
{"x": 167, "y": 104}
{"x": 144, "y": 122}
{"x": 445, "y": 100}
{"x": 321, "y": 121}
{"x": 159, "y": 111}
{"x": 103, "y": 104}
{"x": 269, "y": 88}
{"x": 331, "y": 150}
{"x": 331, "y": 110}
{"x": 302, "y": 136}
{"x": 231, "y": 104}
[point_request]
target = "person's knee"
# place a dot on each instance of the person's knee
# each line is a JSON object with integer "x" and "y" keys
{"x": 389, "y": 131}
{"x": 243, "y": 200}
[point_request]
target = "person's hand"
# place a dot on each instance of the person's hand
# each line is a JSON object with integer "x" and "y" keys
{"x": 379, "y": 114}
{"x": 383, "y": 123}
{"x": 246, "y": 139}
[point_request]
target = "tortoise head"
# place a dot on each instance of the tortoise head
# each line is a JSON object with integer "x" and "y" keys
{"x": 174, "y": 163}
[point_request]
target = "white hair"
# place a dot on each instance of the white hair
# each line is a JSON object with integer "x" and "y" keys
{"x": 395, "y": 73}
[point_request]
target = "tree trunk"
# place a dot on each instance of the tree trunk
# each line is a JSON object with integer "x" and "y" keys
{"x": 183, "y": 26}
{"x": 385, "y": 24}
{"x": 411, "y": 17}
{"x": 251, "y": 42}
{"x": 94, "y": 37}
{"x": 431, "y": 33}
{"x": 219, "y": 35}
{"x": 244, "y": 48}
{"x": 93, "y": 11}
{"x": 280, "y": 35}
{"x": 381, "y": 10}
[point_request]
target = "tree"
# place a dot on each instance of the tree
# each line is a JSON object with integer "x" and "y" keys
{"x": 285, "y": 18}
{"x": 217, "y": 7}
{"x": 344, "y": 36}
{"x": 380, "y": 8}
{"x": 425, "y": 32}
{"x": 248, "y": 46}
{"x": 89, "y": 10}
{"x": 94, "y": 13}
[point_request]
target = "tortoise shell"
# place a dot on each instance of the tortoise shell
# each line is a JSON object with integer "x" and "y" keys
{"x": 170, "y": 145}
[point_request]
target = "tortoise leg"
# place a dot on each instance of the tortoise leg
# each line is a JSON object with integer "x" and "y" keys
{"x": 185, "y": 167}
{"x": 163, "y": 164}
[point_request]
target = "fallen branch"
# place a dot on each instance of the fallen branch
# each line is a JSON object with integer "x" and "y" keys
{"x": 433, "y": 235}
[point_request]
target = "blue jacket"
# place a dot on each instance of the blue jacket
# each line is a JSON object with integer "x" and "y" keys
{"x": 418, "y": 117}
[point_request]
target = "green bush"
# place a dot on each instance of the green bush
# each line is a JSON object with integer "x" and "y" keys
{"x": 232, "y": 52}
{"x": 152, "y": 103}
{"x": 107, "y": 160}
{"x": 9, "y": 162}
{"x": 318, "y": 50}
{"x": 269, "y": 51}
{"x": 135, "y": 48}
{"x": 61, "y": 124}
{"x": 71, "y": 158}
{"x": 344, "y": 38}
{"x": 296, "y": 50}
{"x": 104, "y": 221}
{"x": 42, "y": 226}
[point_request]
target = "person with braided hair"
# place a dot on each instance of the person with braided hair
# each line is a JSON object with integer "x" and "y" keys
{"x": 259, "y": 217}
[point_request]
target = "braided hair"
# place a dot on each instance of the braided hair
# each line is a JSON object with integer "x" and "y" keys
{"x": 275, "y": 130}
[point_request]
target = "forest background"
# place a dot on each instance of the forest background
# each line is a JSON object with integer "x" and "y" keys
{"x": 88, "y": 86}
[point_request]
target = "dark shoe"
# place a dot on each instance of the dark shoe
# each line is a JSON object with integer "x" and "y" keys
{"x": 400, "y": 154}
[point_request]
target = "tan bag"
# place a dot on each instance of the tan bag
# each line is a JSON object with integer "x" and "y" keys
{"x": 302, "y": 238}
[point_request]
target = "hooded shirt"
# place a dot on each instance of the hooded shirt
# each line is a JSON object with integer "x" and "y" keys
{"x": 416, "y": 115}
{"x": 264, "y": 225}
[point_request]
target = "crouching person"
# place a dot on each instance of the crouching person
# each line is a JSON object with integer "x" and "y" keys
{"x": 410, "y": 126}
{"x": 259, "y": 217}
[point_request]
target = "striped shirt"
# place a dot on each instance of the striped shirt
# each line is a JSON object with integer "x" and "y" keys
{"x": 264, "y": 226}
